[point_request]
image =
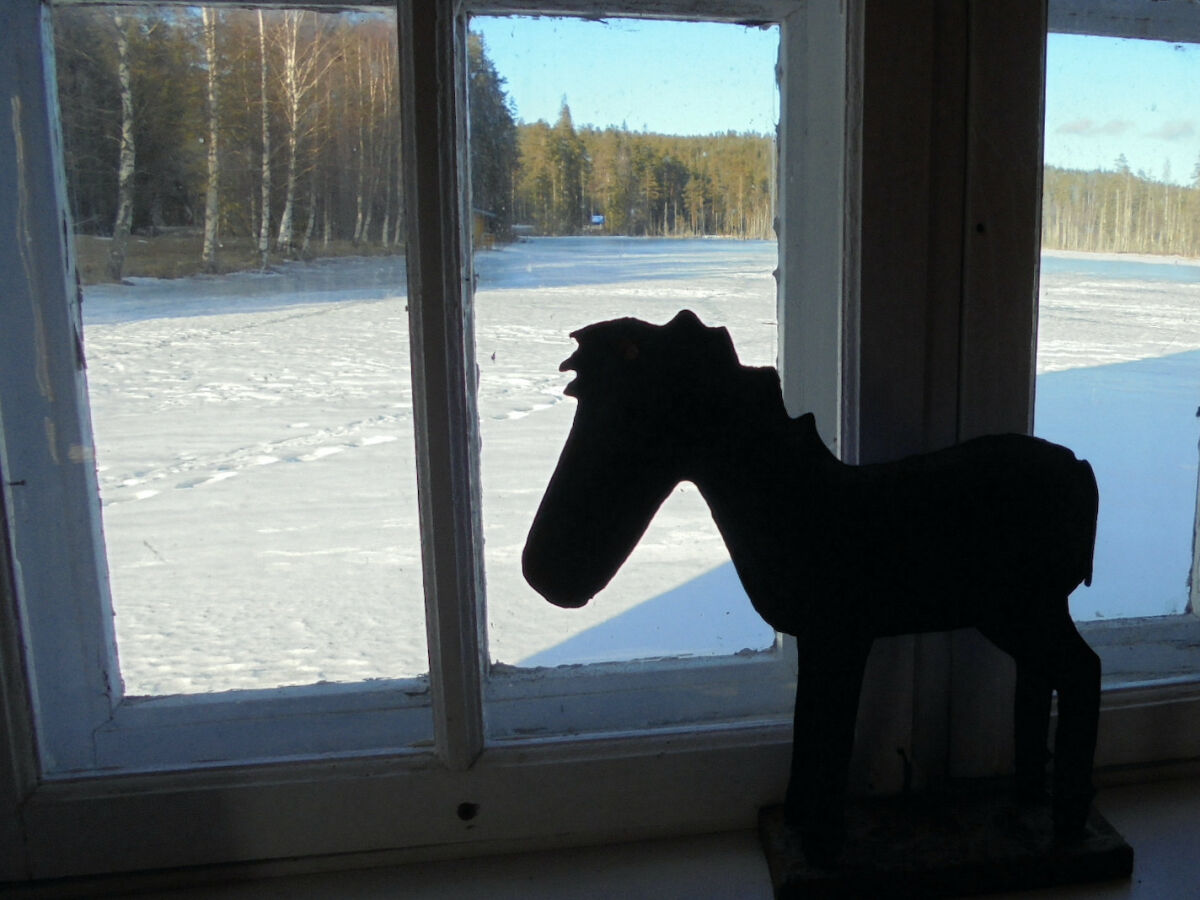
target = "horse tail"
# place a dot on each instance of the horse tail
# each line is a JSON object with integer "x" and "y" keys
{"x": 1091, "y": 503}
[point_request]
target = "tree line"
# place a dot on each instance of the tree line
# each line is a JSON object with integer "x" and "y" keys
{"x": 615, "y": 181}
{"x": 280, "y": 129}
{"x": 1120, "y": 212}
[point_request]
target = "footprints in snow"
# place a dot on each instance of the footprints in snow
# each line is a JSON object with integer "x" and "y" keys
{"x": 315, "y": 444}
{"x": 212, "y": 478}
{"x": 524, "y": 411}
{"x": 235, "y": 464}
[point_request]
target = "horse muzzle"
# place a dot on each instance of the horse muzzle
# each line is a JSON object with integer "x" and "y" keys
{"x": 566, "y": 601}
{"x": 559, "y": 583}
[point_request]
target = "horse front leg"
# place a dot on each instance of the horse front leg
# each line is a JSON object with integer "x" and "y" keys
{"x": 1031, "y": 729}
{"x": 828, "y": 685}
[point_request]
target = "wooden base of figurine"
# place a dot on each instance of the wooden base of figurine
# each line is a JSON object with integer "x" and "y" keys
{"x": 971, "y": 840}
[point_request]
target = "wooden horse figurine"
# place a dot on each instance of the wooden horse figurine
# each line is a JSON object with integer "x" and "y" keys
{"x": 994, "y": 533}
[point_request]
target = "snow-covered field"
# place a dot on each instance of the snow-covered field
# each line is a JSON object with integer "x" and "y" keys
{"x": 255, "y": 454}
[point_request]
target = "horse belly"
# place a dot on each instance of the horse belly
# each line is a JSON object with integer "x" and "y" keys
{"x": 990, "y": 544}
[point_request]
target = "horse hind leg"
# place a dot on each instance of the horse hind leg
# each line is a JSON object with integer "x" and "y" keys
{"x": 1049, "y": 658}
{"x": 1031, "y": 706}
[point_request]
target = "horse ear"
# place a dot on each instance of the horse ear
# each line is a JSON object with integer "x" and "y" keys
{"x": 685, "y": 318}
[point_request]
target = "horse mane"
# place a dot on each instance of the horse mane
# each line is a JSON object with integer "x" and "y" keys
{"x": 622, "y": 349}
{"x": 626, "y": 357}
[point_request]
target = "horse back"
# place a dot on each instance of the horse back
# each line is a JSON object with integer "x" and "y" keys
{"x": 993, "y": 516}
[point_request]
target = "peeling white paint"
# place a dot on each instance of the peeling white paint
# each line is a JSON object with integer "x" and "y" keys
{"x": 52, "y": 440}
{"x": 24, "y": 241}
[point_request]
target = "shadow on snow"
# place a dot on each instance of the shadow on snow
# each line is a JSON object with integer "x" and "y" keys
{"x": 709, "y": 615}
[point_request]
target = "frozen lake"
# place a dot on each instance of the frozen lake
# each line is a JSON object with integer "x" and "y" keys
{"x": 1119, "y": 382}
{"x": 255, "y": 455}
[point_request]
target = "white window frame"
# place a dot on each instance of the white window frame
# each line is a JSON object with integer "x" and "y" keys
{"x": 407, "y": 764}
{"x": 927, "y": 298}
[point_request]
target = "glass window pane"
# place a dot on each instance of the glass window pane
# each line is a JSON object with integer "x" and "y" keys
{"x": 618, "y": 169}
{"x": 1119, "y": 325}
{"x": 234, "y": 177}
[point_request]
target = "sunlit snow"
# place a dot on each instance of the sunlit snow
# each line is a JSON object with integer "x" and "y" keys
{"x": 256, "y": 462}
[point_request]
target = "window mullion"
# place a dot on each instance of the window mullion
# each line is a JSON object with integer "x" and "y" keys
{"x": 443, "y": 409}
{"x": 1001, "y": 228}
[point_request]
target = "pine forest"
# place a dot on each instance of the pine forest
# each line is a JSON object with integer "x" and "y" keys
{"x": 1120, "y": 212}
{"x": 242, "y": 137}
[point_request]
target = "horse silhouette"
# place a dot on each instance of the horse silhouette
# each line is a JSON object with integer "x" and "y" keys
{"x": 993, "y": 533}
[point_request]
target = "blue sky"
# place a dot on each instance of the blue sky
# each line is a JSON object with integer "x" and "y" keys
{"x": 668, "y": 77}
{"x": 1104, "y": 96}
{"x": 1107, "y": 96}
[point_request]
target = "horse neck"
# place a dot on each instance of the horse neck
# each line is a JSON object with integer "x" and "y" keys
{"x": 755, "y": 455}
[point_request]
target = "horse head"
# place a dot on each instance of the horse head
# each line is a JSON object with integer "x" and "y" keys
{"x": 641, "y": 390}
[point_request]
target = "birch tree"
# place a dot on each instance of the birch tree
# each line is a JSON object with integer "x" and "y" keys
{"x": 361, "y": 151}
{"x": 123, "y": 222}
{"x": 212, "y": 195}
{"x": 304, "y": 63}
{"x": 264, "y": 228}
{"x": 290, "y": 76}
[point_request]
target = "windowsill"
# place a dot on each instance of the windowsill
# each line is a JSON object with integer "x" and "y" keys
{"x": 1158, "y": 820}
{"x": 1139, "y": 653}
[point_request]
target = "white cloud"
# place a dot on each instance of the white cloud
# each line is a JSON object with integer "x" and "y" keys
{"x": 1088, "y": 128}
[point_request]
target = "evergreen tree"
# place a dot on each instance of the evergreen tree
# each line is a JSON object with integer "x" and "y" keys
{"x": 170, "y": 118}
{"x": 647, "y": 184}
{"x": 568, "y": 164}
{"x": 494, "y": 149}
{"x": 90, "y": 106}
{"x": 535, "y": 192}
